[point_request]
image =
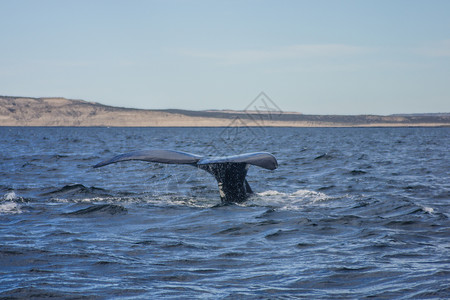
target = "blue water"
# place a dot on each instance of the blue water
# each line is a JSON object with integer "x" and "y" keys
{"x": 349, "y": 213}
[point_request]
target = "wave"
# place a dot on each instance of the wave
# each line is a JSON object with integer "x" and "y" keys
{"x": 10, "y": 208}
{"x": 324, "y": 156}
{"x": 271, "y": 198}
{"x": 10, "y": 196}
{"x": 428, "y": 210}
{"x": 102, "y": 209}
{"x": 10, "y": 204}
{"x": 78, "y": 193}
{"x": 291, "y": 201}
{"x": 300, "y": 199}
{"x": 76, "y": 190}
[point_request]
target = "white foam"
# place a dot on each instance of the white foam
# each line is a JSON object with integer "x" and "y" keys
{"x": 161, "y": 200}
{"x": 10, "y": 196}
{"x": 8, "y": 204}
{"x": 289, "y": 201}
{"x": 86, "y": 200}
{"x": 428, "y": 210}
{"x": 286, "y": 201}
{"x": 10, "y": 208}
{"x": 271, "y": 193}
{"x": 310, "y": 195}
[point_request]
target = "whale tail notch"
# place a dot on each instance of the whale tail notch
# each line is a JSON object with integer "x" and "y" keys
{"x": 229, "y": 171}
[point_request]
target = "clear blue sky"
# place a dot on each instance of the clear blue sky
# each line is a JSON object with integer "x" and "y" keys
{"x": 317, "y": 57}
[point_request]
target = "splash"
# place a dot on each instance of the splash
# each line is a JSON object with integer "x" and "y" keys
{"x": 290, "y": 201}
{"x": 154, "y": 200}
{"x": 428, "y": 210}
{"x": 170, "y": 200}
{"x": 312, "y": 196}
{"x": 8, "y": 205}
{"x": 271, "y": 193}
{"x": 10, "y": 196}
{"x": 10, "y": 208}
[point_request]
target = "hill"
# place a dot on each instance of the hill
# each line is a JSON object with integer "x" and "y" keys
{"x": 25, "y": 111}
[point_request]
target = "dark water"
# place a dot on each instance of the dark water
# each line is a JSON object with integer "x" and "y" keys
{"x": 349, "y": 213}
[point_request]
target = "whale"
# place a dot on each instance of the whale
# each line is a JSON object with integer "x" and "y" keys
{"x": 229, "y": 171}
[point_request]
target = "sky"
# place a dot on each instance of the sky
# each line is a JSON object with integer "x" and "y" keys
{"x": 314, "y": 57}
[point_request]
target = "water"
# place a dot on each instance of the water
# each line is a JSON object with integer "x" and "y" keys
{"x": 349, "y": 213}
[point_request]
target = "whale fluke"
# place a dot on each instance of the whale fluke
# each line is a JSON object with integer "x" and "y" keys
{"x": 229, "y": 171}
{"x": 159, "y": 156}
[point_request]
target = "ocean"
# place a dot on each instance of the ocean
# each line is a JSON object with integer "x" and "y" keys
{"x": 350, "y": 213}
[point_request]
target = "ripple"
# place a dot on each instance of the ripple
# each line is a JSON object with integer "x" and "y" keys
{"x": 99, "y": 209}
{"x": 368, "y": 217}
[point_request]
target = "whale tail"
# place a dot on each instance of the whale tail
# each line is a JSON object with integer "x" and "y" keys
{"x": 233, "y": 187}
{"x": 229, "y": 171}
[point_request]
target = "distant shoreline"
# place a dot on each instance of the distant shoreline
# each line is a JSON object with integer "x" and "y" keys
{"x": 61, "y": 112}
{"x": 281, "y": 126}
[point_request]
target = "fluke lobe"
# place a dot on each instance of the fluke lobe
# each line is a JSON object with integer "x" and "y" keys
{"x": 229, "y": 171}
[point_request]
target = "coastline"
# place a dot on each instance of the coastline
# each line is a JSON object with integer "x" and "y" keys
{"x": 61, "y": 112}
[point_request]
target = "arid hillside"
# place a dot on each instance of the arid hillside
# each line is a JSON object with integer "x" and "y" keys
{"x": 23, "y": 111}
{"x": 18, "y": 111}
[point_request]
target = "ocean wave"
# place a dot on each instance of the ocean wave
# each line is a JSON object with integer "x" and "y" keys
{"x": 272, "y": 198}
{"x": 108, "y": 209}
{"x": 428, "y": 210}
{"x": 10, "y": 196}
{"x": 10, "y": 203}
{"x": 76, "y": 191}
{"x": 10, "y": 208}
{"x": 170, "y": 200}
{"x": 290, "y": 201}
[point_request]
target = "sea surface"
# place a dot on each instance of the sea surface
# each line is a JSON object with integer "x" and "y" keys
{"x": 350, "y": 213}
